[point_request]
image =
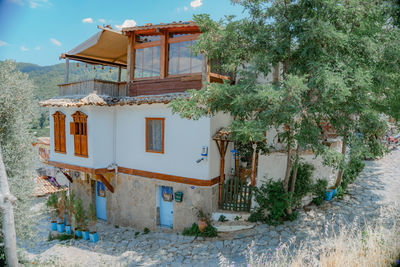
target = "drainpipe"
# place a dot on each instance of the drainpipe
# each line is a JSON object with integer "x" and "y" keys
{"x": 115, "y": 143}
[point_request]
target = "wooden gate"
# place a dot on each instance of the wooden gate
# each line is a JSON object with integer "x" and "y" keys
{"x": 236, "y": 195}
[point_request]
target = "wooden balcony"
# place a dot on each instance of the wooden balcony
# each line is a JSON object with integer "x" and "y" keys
{"x": 101, "y": 87}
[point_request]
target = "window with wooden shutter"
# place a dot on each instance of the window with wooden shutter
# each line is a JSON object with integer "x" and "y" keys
{"x": 155, "y": 135}
{"x": 78, "y": 129}
{"x": 59, "y": 132}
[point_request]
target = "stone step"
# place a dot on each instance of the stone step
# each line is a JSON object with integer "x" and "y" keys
{"x": 230, "y": 215}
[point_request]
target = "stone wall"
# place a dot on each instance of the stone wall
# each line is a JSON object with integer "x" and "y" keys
{"x": 135, "y": 202}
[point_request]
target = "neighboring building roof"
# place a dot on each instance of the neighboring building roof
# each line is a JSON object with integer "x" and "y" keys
{"x": 98, "y": 100}
{"x": 149, "y": 26}
{"x": 44, "y": 187}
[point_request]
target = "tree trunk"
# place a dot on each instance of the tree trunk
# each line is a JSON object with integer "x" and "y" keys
{"x": 6, "y": 203}
{"x": 254, "y": 167}
{"x": 340, "y": 173}
{"x": 296, "y": 167}
{"x": 288, "y": 163}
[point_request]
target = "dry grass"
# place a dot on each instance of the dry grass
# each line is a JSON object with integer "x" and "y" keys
{"x": 374, "y": 244}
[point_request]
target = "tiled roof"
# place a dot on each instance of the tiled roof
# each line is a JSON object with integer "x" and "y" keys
{"x": 98, "y": 100}
{"x": 161, "y": 26}
{"x": 44, "y": 187}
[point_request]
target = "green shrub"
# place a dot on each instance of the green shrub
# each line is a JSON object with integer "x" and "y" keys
{"x": 319, "y": 189}
{"x": 209, "y": 231}
{"x": 146, "y": 231}
{"x": 352, "y": 170}
{"x": 222, "y": 218}
{"x": 303, "y": 183}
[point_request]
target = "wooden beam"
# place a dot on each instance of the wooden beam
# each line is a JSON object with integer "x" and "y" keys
{"x": 222, "y": 169}
{"x": 163, "y": 55}
{"x": 68, "y": 176}
{"x": 66, "y": 78}
{"x": 167, "y": 177}
{"x": 148, "y": 44}
{"x": 71, "y": 167}
{"x": 130, "y": 57}
{"x": 105, "y": 182}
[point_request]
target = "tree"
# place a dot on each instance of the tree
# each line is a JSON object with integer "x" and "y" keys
{"x": 17, "y": 110}
{"x": 328, "y": 54}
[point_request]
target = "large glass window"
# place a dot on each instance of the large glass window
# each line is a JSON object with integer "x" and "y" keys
{"x": 147, "y": 62}
{"x": 182, "y": 60}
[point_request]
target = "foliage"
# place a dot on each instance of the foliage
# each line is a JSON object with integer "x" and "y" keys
{"x": 137, "y": 233}
{"x": 61, "y": 206}
{"x": 61, "y": 237}
{"x": 70, "y": 207}
{"x": 319, "y": 190}
{"x": 92, "y": 218}
{"x": 352, "y": 170}
{"x": 17, "y": 111}
{"x": 303, "y": 184}
{"x": 237, "y": 218}
{"x": 209, "y": 231}
{"x": 271, "y": 197}
{"x": 79, "y": 214}
{"x": 52, "y": 203}
{"x": 146, "y": 231}
{"x": 222, "y": 218}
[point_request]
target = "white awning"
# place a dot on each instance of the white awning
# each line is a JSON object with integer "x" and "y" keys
{"x": 107, "y": 47}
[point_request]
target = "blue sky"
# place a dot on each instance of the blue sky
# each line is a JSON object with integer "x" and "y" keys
{"x": 38, "y": 31}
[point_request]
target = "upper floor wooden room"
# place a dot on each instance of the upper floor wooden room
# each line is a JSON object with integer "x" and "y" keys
{"x": 158, "y": 60}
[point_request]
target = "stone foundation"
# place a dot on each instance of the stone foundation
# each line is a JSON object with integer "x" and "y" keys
{"x": 135, "y": 201}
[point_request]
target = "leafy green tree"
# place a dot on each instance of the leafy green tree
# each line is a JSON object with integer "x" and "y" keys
{"x": 327, "y": 54}
{"x": 17, "y": 110}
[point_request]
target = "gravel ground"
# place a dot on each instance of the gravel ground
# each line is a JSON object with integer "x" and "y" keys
{"x": 375, "y": 189}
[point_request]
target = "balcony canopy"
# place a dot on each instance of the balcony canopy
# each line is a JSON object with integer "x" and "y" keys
{"x": 107, "y": 47}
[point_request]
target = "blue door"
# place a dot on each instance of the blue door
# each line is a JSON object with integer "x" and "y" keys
{"x": 101, "y": 201}
{"x": 166, "y": 206}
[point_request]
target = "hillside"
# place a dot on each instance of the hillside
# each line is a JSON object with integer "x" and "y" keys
{"x": 46, "y": 78}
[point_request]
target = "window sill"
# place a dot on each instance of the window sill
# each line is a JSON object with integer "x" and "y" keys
{"x": 153, "y": 151}
{"x": 82, "y": 156}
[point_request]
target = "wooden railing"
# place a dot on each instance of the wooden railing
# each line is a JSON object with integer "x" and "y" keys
{"x": 101, "y": 87}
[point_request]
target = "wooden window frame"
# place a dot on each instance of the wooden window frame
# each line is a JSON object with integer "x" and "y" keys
{"x": 59, "y": 132}
{"x": 164, "y": 50}
{"x": 163, "y": 135}
{"x": 79, "y": 118}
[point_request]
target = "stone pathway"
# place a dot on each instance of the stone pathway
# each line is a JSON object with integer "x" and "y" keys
{"x": 377, "y": 187}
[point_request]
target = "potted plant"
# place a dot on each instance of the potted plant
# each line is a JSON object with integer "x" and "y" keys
{"x": 92, "y": 224}
{"x": 330, "y": 193}
{"x": 70, "y": 212}
{"x": 79, "y": 216}
{"x": 61, "y": 213}
{"x": 51, "y": 203}
{"x": 203, "y": 219}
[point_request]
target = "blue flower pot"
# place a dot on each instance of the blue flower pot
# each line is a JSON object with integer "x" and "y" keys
{"x": 53, "y": 226}
{"x": 93, "y": 237}
{"x": 85, "y": 235}
{"x": 78, "y": 233}
{"x": 334, "y": 192}
{"x": 329, "y": 195}
{"x": 60, "y": 227}
{"x": 68, "y": 229}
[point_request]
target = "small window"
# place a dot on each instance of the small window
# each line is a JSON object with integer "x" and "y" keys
{"x": 147, "y": 62}
{"x": 78, "y": 128}
{"x": 59, "y": 132}
{"x": 155, "y": 135}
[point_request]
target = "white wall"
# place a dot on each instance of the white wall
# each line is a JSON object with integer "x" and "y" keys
{"x": 182, "y": 144}
{"x": 99, "y": 130}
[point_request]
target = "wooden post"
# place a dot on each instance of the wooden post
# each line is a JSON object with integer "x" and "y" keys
{"x": 66, "y": 78}
{"x": 222, "y": 169}
{"x": 164, "y": 55}
{"x": 254, "y": 167}
{"x": 119, "y": 73}
{"x": 130, "y": 64}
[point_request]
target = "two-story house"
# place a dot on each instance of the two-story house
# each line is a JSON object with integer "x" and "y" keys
{"x": 124, "y": 149}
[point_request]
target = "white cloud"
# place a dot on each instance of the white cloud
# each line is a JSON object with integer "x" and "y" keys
{"x": 87, "y": 20}
{"x": 127, "y": 23}
{"x": 40, "y": 3}
{"x": 37, "y": 48}
{"x": 102, "y": 20}
{"x": 185, "y": 8}
{"x": 24, "y": 49}
{"x": 2, "y": 43}
{"x": 54, "y": 41}
{"x": 196, "y": 3}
